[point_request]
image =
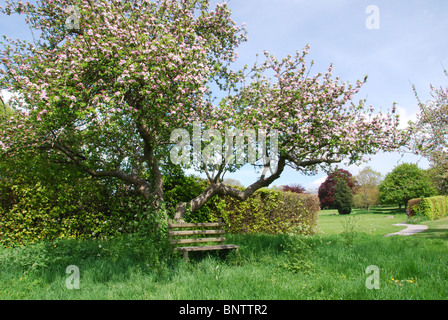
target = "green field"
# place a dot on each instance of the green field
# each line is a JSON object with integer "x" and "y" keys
{"x": 379, "y": 220}
{"x": 329, "y": 265}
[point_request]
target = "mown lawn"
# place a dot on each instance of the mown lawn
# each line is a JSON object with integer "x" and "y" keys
{"x": 438, "y": 229}
{"x": 379, "y": 220}
{"x": 329, "y": 265}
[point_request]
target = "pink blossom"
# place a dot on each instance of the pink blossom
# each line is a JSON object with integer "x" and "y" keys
{"x": 43, "y": 95}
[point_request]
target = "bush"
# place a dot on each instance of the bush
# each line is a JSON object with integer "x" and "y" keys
{"x": 433, "y": 208}
{"x": 79, "y": 208}
{"x": 413, "y": 207}
{"x": 343, "y": 197}
{"x": 297, "y": 188}
{"x": 270, "y": 211}
{"x": 327, "y": 188}
{"x": 181, "y": 188}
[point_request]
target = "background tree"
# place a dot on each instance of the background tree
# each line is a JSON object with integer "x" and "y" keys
{"x": 106, "y": 97}
{"x": 366, "y": 189}
{"x": 327, "y": 188}
{"x": 343, "y": 197}
{"x": 430, "y": 137}
{"x": 406, "y": 181}
{"x": 439, "y": 177}
{"x": 296, "y": 188}
{"x": 232, "y": 182}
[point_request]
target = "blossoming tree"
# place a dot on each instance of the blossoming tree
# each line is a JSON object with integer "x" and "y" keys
{"x": 430, "y": 133}
{"x": 107, "y": 82}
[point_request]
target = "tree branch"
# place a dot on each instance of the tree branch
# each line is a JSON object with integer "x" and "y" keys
{"x": 143, "y": 186}
{"x": 307, "y": 163}
{"x": 222, "y": 189}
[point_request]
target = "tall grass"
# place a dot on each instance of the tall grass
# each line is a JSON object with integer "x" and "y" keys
{"x": 266, "y": 267}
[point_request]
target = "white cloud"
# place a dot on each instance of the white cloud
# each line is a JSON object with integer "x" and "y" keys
{"x": 5, "y": 95}
{"x": 405, "y": 117}
{"x": 316, "y": 183}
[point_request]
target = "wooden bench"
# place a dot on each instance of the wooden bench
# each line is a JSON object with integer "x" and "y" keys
{"x": 177, "y": 237}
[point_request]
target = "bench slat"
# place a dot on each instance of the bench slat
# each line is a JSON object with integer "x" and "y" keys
{"x": 186, "y": 250}
{"x": 193, "y": 232}
{"x": 205, "y": 248}
{"x": 196, "y": 225}
{"x": 199, "y": 240}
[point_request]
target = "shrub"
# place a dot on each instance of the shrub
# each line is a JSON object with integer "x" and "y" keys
{"x": 78, "y": 208}
{"x": 413, "y": 207}
{"x": 343, "y": 197}
{"x": 297, "y": 188}
{"x": 270, "y": 211}
{"x": 181, "y": 188}
{"x": 327, "y": 188}
{"x": 433, "y": 208}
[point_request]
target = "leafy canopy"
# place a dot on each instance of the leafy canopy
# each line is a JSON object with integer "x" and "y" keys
{"x": 407, "y": 181}
{"x": 343, "y": 197}
{"x": 106, "y": 96}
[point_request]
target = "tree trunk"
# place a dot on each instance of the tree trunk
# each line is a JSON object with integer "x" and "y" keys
{"x": 222, "y": 189}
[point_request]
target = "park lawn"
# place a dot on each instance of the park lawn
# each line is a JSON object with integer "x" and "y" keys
{"x": 438, "y": 229}
{"x": 332, "y": 265}
{"x": 268, "y": 267}
{"x": 379, "y": 220}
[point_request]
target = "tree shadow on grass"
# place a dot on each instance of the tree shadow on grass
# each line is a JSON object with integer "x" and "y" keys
{"x": 441, "y": 234}
{"x": 383, "y": 210}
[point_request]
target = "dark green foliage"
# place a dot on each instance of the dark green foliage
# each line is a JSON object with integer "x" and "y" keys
{"x": 439, "y": 176}
{"x": 327, "y": 188}
{"x": 179, "y": 187}
{"x": 343, "y": 197}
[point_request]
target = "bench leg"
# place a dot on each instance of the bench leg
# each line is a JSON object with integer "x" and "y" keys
{"x": 186, "y": 256}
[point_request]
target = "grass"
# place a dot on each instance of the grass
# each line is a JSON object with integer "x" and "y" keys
{"x": 379, "y": 220}
{"x": 328, "y": 265}
{"x": 438, "y": 229}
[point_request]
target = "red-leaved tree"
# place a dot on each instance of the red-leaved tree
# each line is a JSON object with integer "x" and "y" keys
{"x": 296, "y": 188}
{"x": 326, "y": 189}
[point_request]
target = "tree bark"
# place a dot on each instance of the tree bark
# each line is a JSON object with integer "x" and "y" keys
{"x": 221, "y": 189}
{"x": 150, "y": 157}
{"x": 143, "y": 186}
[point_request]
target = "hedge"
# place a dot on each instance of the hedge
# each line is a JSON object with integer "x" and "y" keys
{"x": 85, "y": 208}
{"x": 80, "y": 209}
{"x": 433, "y": 208}
{"x": 270, "y": 211}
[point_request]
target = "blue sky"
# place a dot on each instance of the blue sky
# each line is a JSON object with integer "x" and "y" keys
{"x": 409, "y": 48}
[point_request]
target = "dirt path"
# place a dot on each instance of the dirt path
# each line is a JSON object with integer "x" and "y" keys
{"x": 410, "y": 230}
